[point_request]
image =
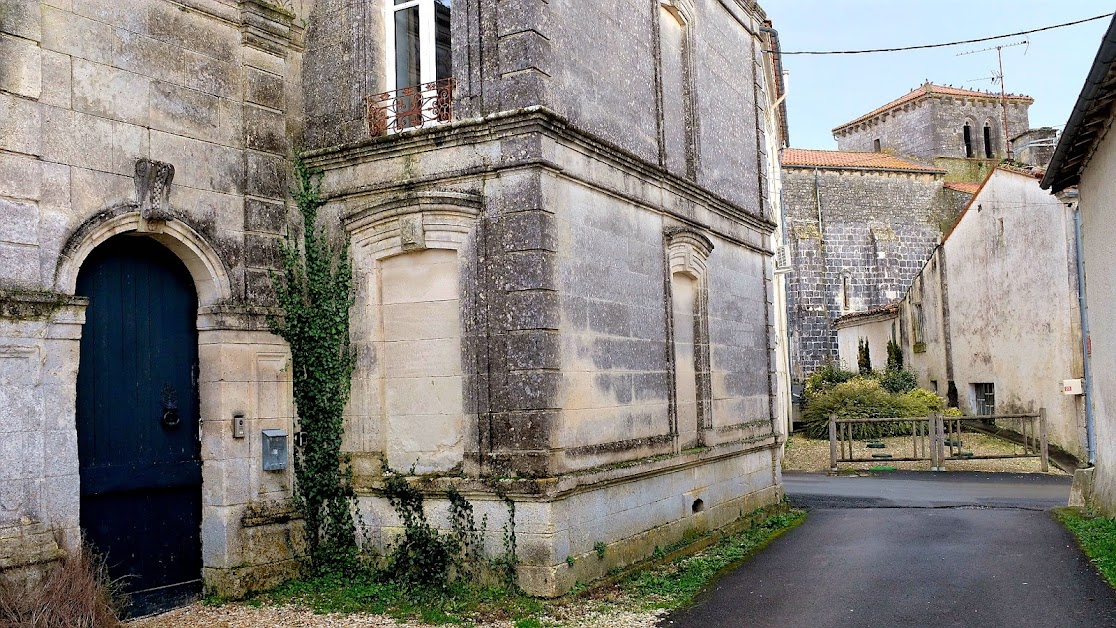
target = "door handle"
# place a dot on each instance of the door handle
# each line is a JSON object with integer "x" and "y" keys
{"x": 171, "y": 418}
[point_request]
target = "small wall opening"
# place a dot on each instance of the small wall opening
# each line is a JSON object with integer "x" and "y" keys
{"x": 698, "y": 506}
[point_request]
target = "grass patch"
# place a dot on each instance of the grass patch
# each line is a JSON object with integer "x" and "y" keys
{"x": 678, "y": 584}
{"x": 364, "y": 593}
{"x": 1096, "y": 536}
{"x": 664, "y": 587}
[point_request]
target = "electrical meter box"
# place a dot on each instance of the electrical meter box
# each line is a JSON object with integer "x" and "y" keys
{"x": 274, "y": 450}
{"x": 1073, "y": 387}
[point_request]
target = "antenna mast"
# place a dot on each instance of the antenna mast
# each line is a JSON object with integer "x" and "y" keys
{"x": 1003, "y": 89}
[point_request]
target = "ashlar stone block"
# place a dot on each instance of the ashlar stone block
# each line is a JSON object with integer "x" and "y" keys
{"x": 22, "y": 63}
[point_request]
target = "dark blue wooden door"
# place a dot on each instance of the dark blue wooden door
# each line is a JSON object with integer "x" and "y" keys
{"x": 137, "y": 420}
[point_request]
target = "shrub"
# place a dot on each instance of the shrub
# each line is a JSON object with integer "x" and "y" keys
{"x": 863, "y": 398}
{"x": 926, "y": 399}
{"x": 864, "y": 357}
{"x": 825, "y": 378}
{"x": 78, "y": 593}
{"x": 897, "y": 381}
{"x": 894, "y": 356}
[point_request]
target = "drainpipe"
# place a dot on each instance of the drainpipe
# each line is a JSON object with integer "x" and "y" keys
{"x": 1090, "y": 437}
{"x": 780, "y": 79}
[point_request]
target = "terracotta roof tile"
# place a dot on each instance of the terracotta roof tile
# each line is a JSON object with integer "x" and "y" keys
{"x": 851, "y": 160}
{"x": 926, "y": 90}
{"x": 879, "y": 310}
{"x": 967, "y": 188}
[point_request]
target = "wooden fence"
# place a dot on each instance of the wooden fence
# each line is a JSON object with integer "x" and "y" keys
{"x": 938, "y": 438}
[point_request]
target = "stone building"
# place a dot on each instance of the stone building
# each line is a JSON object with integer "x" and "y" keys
{"x": 1082, "y": 173}
{"x": 903, "y": 172}
{"x": 958, "y": 130}
{"x": 859, "y": 226}
{"x": 994, "y": 318}
{"x": 563, "y": 269}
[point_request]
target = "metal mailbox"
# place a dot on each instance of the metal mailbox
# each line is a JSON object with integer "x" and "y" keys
{"x": 274, "y": 450}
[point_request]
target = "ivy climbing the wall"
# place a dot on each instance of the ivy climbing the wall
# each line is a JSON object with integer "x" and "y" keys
{"x": 314, "y": 292}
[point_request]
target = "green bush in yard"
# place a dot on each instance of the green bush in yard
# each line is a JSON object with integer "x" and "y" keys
{"x": 897, "y": 381}
{"x": 825, "y": 378}
{"x": 864, "y": 398}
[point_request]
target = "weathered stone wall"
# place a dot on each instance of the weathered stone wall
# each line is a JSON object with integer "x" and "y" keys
{"x": 1035, "y": 147}
{"x": 933, "y": 127}
{"x": 905, "y": 131}
{"x": 876, "y": 330}
{"x": 87, "y": 89}
{"x": 926, "y": 352}
{"x": 1007, "y": 320}
{"x": 877, "y": 230}
{"x": 951, "y": 114}
{"x": 567, "y": 360}
{"x": 516, "y": 54}
{"x": 1098, "y": 187}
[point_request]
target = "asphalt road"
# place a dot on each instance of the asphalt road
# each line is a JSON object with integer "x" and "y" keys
{"x": 915, "y": 549}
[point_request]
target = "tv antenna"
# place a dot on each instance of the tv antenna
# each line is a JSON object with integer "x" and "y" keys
{"x": 999, "y": 78}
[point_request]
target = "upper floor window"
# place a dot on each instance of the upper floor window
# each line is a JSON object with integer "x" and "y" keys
{"x": 988, "y": 150}
{"x": 876, "y": 146}
{"x": 418, "y": 42}
{"x": 419, "y": 68}
{"x": 968, "y": 141}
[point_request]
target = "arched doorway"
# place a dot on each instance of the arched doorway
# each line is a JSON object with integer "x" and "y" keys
{"x": 137, "y": 419}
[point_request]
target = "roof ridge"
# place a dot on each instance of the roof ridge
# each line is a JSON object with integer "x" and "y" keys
{"x": 862, "y": 160}
{"x": 925, "y": 90}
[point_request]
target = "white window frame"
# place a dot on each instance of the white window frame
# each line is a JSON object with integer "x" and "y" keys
{"x": 428, "y": 59}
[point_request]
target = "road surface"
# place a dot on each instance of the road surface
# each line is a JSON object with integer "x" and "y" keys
{"x": 915, "y": 549}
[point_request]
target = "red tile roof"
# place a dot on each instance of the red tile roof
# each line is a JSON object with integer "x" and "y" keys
{"x": 883, "y": 311}
{"x": 967, "y": 188}
{"x": 927, "y": 90}
{"x": 797, "y": 157}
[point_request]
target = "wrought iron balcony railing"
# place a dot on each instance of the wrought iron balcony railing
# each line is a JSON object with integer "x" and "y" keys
{"x": 410, "y": 107}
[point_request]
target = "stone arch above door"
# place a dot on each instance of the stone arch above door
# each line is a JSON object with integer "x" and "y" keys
{"x": 210, "y": 276}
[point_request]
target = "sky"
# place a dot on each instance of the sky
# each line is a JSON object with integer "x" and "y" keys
{"x": 826, "y": 91}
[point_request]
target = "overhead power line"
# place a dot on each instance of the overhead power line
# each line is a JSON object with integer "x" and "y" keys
{"x": 952, "y": 43}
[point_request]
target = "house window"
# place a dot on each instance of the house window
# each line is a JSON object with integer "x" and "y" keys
{"x": 418, "y": 42}
{"x": 988, "y": 152}
{"x": 984, "y": 399}
{"x": 968, "y": 141}
{"x": 934, "y": 385}
{"x": 876, "y": 145}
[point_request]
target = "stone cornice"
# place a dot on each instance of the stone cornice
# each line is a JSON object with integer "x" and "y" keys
{"x": 532, "y": 120}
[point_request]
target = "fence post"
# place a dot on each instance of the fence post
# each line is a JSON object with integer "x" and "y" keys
{"x": 1043, "y": 441}
{"x": 833, "y": 443}
{"x": 937, "y": 442}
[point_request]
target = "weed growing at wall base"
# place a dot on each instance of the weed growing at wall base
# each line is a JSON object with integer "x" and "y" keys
{"x": 668, "y": 586}
{"x": 678, "y": 584}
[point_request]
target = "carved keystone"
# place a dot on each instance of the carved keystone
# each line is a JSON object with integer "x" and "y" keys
{"x": 412, "y": 234}
{"x": 153, "y": 181}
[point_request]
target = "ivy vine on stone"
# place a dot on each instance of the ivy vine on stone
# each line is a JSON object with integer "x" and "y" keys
{"x": 313, "y": 290}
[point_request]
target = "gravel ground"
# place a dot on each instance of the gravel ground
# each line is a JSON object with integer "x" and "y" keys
{"x": 805, "y": 454}
{"x": 590, "y": 614}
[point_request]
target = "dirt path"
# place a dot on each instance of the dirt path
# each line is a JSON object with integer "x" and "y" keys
{"x": 806, "y": 454}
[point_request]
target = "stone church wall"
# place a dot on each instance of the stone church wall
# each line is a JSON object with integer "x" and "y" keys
{"x": 877, "y": 230}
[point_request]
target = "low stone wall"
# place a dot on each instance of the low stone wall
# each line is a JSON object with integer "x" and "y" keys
{"x": 630, "y": 512}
